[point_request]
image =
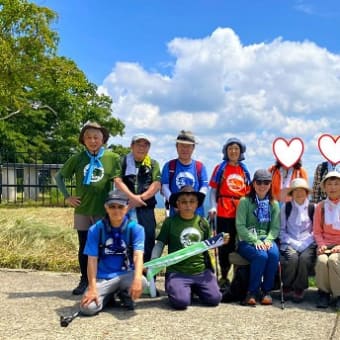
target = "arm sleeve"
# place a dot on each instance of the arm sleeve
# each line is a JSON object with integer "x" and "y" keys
{"x": 59, "y": 179}
{"x": 166, "y": 191}
{"x": 317, "y": 227}
{"x": 212, "y": 197}
{"x": 203, "y": 185}
{"x": 157, "y": 250}
{"x": 242, "y": 222}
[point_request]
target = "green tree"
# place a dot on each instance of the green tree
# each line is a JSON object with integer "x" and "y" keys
{"x": 45, "y": 99}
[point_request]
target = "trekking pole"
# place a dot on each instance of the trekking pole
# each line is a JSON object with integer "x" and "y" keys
{"x": 281, "y": 287}
{"x": 66, "y": 320}
{"x": 212, "y": 222}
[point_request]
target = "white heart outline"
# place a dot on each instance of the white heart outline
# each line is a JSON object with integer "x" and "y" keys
{"x": 288, "y": 145}
{"x": 323, "y": 145}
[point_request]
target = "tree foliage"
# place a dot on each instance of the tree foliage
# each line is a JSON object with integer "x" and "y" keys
{"x": 45, "y": 99}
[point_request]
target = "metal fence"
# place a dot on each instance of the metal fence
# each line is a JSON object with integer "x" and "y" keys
{"x": 25, "y": 179}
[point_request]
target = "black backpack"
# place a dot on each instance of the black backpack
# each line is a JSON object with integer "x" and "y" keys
{"x": 237, "y": 290}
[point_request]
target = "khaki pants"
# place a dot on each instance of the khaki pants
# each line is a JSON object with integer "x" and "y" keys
{"x": 327, "y": 273}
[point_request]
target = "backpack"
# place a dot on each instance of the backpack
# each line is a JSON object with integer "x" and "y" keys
{"x": 237, "y": 290}
{"x": 311, "y": 208}
{"x": 103, "y": 229}
{"x": 172, "y": 170}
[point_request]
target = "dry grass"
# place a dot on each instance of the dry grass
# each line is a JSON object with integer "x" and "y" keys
{"x": 41, "y": 238}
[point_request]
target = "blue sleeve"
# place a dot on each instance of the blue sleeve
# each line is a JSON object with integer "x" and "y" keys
{"x": 92, "y": 242}
{"x": 165, "y": 174}
{"x": 138, "y": 237}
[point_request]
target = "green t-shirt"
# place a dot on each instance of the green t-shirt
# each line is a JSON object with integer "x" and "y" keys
{"x": 178, "y": 233}
{"x": 92, "y": 196}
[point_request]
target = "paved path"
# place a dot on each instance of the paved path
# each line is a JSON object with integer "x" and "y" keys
{"x": 32, "y": 303}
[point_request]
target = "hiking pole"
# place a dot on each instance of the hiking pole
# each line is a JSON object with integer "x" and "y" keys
{"x": 213, "y": 227}
{"x": 281, "y": 287}
{"x": 66, "y": 320}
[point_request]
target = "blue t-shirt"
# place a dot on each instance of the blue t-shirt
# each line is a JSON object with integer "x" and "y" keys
{"x": 112, "y": 256}
{"x": 185, "y": 175}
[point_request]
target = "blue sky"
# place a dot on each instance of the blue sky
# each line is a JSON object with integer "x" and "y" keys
{"x": 257, "y": 70}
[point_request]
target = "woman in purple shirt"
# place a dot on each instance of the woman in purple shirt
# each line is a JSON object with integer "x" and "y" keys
{"x": 297, "y": 246}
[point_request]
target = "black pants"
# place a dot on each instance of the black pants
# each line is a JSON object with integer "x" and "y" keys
{"x": 146, "y": 218}
{"x": 226, "y": 225}
{"x": 82, "y": 258}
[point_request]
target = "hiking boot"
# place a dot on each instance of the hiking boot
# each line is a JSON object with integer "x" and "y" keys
{"x": 266, "y": 299}
{"x": 298, "y": 295}
{"x": 80, "y": 289}
{"x": 250, "y": 300}
{"x": 323, "y": 300}
{"x": 337, "y": 304}
{"x": 287, "y": 293}
{"x": 126, "y": 300}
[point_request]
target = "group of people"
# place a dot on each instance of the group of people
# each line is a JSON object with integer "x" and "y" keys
{"x": 267, "y": 218}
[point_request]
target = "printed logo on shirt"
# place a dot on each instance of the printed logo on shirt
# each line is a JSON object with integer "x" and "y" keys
{"x": 189, "y": 236}
{"x": 235, "y": 182}
{"x": 185, "y": 178}
{"x": 97, "y": 175}
{"x": 112, "y": 248}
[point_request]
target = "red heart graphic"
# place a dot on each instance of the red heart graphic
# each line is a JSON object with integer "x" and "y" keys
{"x": 286, "y": 152}
{"x": 329, "y": 147}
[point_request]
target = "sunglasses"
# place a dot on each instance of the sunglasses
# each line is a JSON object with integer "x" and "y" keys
{"x": 259, "y": 182}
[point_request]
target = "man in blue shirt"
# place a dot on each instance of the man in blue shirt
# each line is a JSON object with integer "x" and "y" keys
{"x": 115, "y": 247}
{"x": 184, "y": 171}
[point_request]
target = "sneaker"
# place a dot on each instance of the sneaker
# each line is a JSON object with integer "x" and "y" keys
{"x": 126, "y": 300}
{"x": 287, "y": 293}
{"x": 323, "y": 300}
{"x": 266, "y": 299}
{"x": 80, "y": 289}
{"x": 250, "y": 300}
{"x": 298, "y": 295}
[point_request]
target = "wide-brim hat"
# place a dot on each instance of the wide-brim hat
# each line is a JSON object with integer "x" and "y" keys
{"x": 187, "y": 189}
{"x": 93, "y": 125}
{"x": 298, "y": 183}
{"x": 334, "y": 174}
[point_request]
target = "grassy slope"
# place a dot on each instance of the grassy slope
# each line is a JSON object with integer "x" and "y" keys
{"x": 40, "y": 238}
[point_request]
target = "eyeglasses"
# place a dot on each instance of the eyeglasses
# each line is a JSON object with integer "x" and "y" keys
{"x": 116, "y": 206}
{"x": 259, "y": 182}
{"x": 187, "y": 202}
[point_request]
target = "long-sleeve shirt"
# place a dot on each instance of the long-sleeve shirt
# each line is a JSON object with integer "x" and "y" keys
{"x": 326, "y": 223}
{"x": 248, "y": 227}
{"x": 296, "y": 231}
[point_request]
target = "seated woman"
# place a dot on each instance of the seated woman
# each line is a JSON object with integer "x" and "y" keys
{"x": 257, "y": 226}
{"x": 297, "y": 246}
{"x": 326, "y": 227}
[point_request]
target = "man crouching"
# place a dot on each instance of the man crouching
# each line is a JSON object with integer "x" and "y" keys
{"x": 115, "y": 247}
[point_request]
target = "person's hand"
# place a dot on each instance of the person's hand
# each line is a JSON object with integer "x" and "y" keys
{"x": 321, "y": 250}
{"x": 260, "y": 246}
{"x": 267, "y": 244}
{"x": 74, "y": 201}
{"x": 88, "y": 297}
{"x": 335, "y": 249}
{"x": 137, "y": 201}
{"x": 136, "y": 289}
